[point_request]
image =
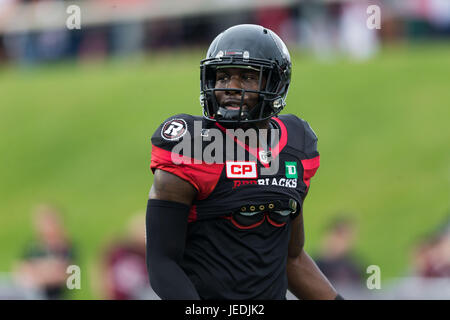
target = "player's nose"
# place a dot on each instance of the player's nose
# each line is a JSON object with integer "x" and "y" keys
{"x": 233, "y": 83}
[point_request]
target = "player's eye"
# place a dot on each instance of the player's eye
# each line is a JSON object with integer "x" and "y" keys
{"x": 250, "y": 77}
{"x": 221, "y": 77}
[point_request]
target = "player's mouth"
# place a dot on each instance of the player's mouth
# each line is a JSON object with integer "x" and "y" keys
{"x": 234, "y": 106}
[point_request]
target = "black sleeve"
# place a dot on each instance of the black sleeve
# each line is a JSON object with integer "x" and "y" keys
{"x": 166, "y": 223}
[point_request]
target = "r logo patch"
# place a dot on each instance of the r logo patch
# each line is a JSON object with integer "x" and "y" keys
{"x": 174, "y": 129}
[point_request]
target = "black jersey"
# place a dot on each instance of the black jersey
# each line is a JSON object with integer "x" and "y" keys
{"x": 239, "y": 223}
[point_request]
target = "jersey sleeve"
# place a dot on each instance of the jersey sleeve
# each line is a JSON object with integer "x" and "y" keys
{"x": 311, "y": 162}
{"x": 305, "y": 145}
{"x": 173, "y": 144}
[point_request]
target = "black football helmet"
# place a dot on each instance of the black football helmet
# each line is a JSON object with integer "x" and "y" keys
{"x": 246, "y": 46}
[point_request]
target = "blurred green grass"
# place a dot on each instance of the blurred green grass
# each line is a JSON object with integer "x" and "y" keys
{"x": 79, "y": 136}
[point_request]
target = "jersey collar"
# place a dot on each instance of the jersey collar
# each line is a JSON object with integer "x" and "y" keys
{"x": 256, "y": 152}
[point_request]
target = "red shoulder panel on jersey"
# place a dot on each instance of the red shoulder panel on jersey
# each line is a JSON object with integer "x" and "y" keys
{"x": 283, "y": 138}
{"x": 203, "y": 177}
{"x": 310, "y": 167}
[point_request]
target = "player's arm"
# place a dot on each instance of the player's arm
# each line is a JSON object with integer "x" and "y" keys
{"x": 168, "y": 207}
{"x": 305, "y": 280}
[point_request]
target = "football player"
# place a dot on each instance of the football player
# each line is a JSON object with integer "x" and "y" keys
{"x": 232, "y": 228}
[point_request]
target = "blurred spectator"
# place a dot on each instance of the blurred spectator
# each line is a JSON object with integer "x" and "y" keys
{"x": 45, "y": 261}
{"x": 336, "y": 259}
{"x": 34, "y": 46}
{"x": 127, "y": 38}
{"x": 277, "y": 19}
{"x": 123, "y": 270}
{"x": 93, "y": 43}
{"x": 439, "y": 15}
{"x": 6, "y": 7}
{"x": 431, "y": 256}
{"x": 318, "y": 29}
{"x": 164, "y": 33}
{"x": 357, "y": 40}
{"x": 123, "y": 27}
{"x": 429, "y": 277}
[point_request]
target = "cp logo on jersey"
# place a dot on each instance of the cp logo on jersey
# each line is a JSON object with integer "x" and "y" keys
{"x": 241, "y": 169}
{"x": 174, "y": 129}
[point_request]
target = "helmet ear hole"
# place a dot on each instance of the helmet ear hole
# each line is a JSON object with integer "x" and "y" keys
{"x": 273, "y": 81}
{"x": 210, "y": 77}
{"x": 210, "y": 101}
{"x": 285, "y": 91}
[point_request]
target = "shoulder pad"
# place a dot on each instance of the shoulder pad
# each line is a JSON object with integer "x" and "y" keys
{"x": 306, "y": 139}
{"x": 173, "y": 151}
{"x": 175, "y": 129}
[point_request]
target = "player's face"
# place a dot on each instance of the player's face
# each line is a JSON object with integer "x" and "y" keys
{"x": 237, "y": 78}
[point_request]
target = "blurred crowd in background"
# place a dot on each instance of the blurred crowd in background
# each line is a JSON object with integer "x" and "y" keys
{"x": 30, "y": 31}
{"x": 41, "y": 270}
{"x": 327, "y": 28}
{"x": 120, "y": 271}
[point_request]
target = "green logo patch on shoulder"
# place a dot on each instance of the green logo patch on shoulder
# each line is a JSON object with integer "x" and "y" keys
{"x": 291, "y": 169}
